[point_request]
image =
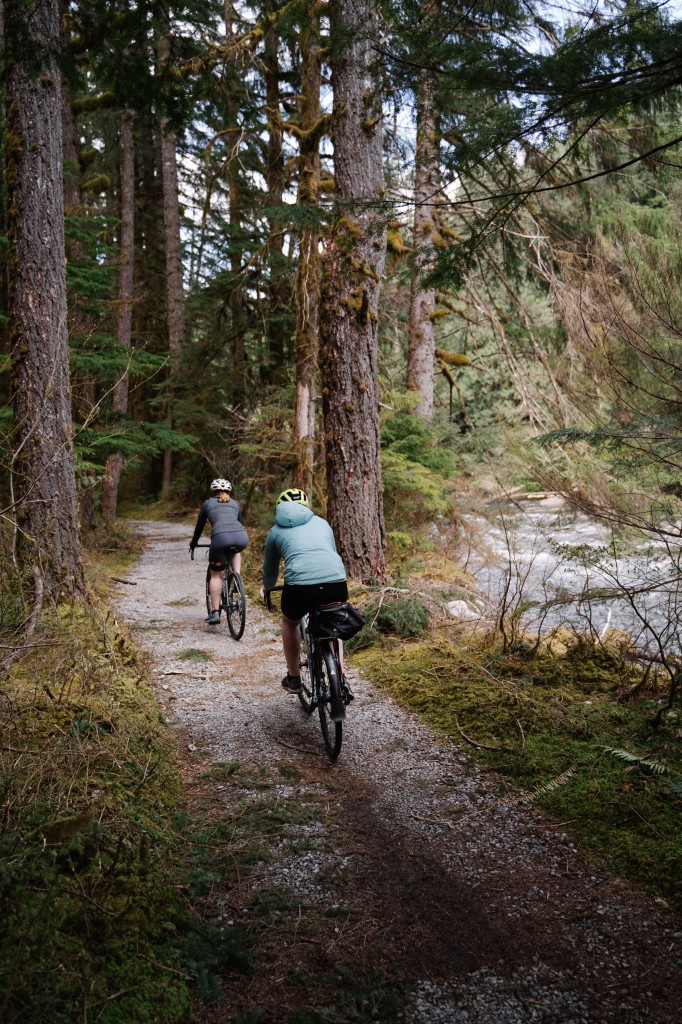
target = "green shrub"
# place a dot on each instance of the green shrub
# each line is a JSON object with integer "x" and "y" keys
{"x": 367, "y": 637}
{"x": 416, "y": 464}
{"x": 404, "y": 616}
{"x": 409, "y": 435}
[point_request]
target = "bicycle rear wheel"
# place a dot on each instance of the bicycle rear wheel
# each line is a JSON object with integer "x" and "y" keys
{"x": 306, "y": 694}
{"x": 329, "y": 691}
{"x": 235, "y": 603}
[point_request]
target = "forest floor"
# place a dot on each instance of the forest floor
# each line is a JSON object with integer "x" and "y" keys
{"x": 402, "y": 882}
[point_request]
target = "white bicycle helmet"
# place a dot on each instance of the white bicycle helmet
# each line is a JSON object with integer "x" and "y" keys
{"x": 221, "y": 485}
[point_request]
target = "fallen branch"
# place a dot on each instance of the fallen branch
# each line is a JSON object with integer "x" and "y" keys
{"x": 185, "y": 675}
{"x": 128, "y": 583}
{"x": 452, "y": 822}
{"x": 479, "y": 746}
{"x": 523, "y": 735}
{"x": 301, "y": 750}
{"x": 164, "y": 967}
{"x": 384, "y": 591}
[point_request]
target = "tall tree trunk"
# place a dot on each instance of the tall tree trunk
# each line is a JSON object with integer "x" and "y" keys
{"x": 175, "y": 291}
{"x": 237, "y": 300}
{"x": 308, "y": 274}
{"x": 43, "y": 463}
{"x": 277, "y": 283}
{"x": 3, "y": 198}
{"x": 353, "y": 266}
{"x": 421, "y": 331}
{"x": 79, "y": 322}
{"x": 124, "y": 319}
{"x": 150, "y": 325}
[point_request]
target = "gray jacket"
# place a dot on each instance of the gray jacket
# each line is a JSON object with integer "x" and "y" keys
{"x": 224, "y": 517}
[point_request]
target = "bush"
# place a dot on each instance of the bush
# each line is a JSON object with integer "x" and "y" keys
{"x": 404, "y": 616}
{"x": 416, "y": 463}
{"x": 367, "y": 637}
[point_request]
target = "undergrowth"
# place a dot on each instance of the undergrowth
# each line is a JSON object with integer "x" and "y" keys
{"x": 562, "y": 727}
{"x": 97, "y": 924}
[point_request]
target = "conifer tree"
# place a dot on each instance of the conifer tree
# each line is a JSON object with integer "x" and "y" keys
{"x": 308, "y": 270}
{"x": 3, "y": 198}
{"x": 237, "y": 299}
{"x": 278, "y": 289}
{"x": 421, "y": 329}
{"x": 124, "y": 318}
{"x": 43, "y": 473}
{"x": 354, "y": 264}
{"x": 175, "y": 291}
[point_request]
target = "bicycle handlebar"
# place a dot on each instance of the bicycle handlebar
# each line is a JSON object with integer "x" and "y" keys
{"x": 191, "y": 554}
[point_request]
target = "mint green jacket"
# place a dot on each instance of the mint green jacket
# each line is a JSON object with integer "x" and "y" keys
{"x": 306, "y": 544}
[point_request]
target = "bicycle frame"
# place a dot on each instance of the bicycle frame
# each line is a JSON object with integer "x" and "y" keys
{"x": 321, "y": 682}
{"x": 233, "y": 597}
{"x": 314, "y": 646}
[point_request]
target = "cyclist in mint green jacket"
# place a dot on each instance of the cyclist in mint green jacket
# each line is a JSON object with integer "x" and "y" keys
{"x": 313, "y": 571}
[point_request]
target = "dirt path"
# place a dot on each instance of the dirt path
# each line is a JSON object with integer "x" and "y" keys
{"x": 429, "y": 893}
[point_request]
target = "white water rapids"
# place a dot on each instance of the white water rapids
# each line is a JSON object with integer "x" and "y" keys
{"x": 559, "y": 567}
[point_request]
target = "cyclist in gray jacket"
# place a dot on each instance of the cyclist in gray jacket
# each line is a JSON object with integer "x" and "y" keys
{"x": 313, "y": 571}
{"x": 227, "y": 531}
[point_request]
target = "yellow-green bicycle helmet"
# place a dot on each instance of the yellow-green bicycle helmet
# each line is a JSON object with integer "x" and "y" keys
{"x": 294, "y": 494}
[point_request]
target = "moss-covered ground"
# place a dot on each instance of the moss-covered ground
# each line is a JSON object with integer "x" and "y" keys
{"x": 96, "y": 850}
{"x": 570, "y": 727}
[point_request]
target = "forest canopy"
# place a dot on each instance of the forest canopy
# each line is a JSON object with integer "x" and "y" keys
{"x": 357, "y": 246}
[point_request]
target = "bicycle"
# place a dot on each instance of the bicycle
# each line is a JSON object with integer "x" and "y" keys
{"x": 232, "y": 599}
{"x": 322, "y": 680}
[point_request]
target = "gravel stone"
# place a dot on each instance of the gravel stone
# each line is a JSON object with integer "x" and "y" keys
{"x": 494, "y": 904}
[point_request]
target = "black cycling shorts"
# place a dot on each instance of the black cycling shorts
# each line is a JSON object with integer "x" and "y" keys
{"x": 298, "y": 601}
{"x": 219, "y": 551}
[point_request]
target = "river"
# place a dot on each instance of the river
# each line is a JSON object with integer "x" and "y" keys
{"x": 552, "y": 560}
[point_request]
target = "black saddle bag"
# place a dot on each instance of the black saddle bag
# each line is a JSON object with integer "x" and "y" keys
{"x": 335, "y": 622}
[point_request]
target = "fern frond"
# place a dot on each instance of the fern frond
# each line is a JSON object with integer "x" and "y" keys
{"x": 674, "y": 783}
{"x": 549, "y": 787}
{"x": 657, "y": 767}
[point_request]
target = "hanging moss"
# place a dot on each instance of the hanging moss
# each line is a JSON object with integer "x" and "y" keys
{"x": 453, "y": 358}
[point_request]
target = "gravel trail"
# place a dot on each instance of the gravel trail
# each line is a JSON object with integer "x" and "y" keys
{"x": 486, "y": 906}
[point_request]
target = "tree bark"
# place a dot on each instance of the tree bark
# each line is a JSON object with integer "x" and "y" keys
{"x": 354, "y": 264}
{"x": 237, "y": 301}
{"x": 124, "y": 318}
{"x": 175, "y": 290}
{"x": 421, "y": 331}
{"x": 43, "y": 463}
{"x": 277, "y": 280}
{"x": 308, "y": 273}
{"x": 3, "y": 205}
{"x": 79, "y": 323}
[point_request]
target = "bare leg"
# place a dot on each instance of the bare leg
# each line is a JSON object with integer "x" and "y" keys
{"x": 291, "y": 642}
{"x": 215, "y": 589}
{"x": 236, "y": 561}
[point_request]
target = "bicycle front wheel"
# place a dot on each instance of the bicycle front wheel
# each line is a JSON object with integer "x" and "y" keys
{"x": 331, "y": 702}
{"x": 235, "y": 605}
